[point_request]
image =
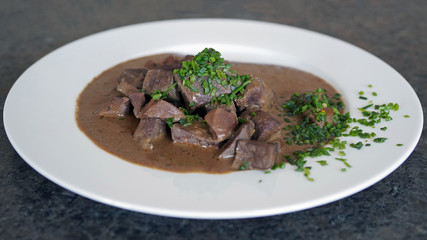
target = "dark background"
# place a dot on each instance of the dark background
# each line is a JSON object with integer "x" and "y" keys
{"x": 32, "y": 207}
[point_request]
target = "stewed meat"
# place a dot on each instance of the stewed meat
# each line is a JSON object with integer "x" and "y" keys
{"x": 161, "y": 109}
{"x": 257, "y": 95}
{"x": 221, "y": 123}
{"x": 267, "y": 128}
{"x": 134, "y": 77}
{"x": 115, "y": 107}
{"x": 244, "y": 131}
{"x": 209, "y": 106}
{"x": 160, "y": 80}
{"x": 126, "y": 88}
{"x": 195, "y": 97}
{"x": 148, "y": 130}
{"x": 197, "y": 134}
{"x": 328, "y": 117}
{"x": 137, "y": 99}
{"x": 252, "y": 154}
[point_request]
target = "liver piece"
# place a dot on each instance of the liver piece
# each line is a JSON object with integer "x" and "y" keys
{"x": 257, "y": 95}
{"x": 255, "y": 154}
{"x": 148, "y": 130}
{"x": 161, "y": 109}
{"x": 115, "y": 107}
{"x": 244, "y": 131}
{"x": 221, "y": 123}
{"x": 197, "y": 134}
{"x": 133, "y": 76}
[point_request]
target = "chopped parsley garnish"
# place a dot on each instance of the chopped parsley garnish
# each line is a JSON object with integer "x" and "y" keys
{"x": 169, "y": 122}
{"x": 322, "y": 162}
{"x": 189, "y": 119}
{"x": 244, "y": 165}
{"x": 241, "y": 120}
{"x": 212, "y": 72}
{"x": 344, "y": 161}
{"x": 306, "y": 171}
{"x": 314, "y": 104}
{"x": 157, "y": 95}
{"x": 358, "y": 145}
{"x": 380, "y": 140}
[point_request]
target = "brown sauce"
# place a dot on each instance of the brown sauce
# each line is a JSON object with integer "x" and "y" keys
{"x": 116, "y": 135}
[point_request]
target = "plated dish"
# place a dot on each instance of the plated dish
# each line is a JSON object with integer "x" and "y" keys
{"x": 53, "y": 145}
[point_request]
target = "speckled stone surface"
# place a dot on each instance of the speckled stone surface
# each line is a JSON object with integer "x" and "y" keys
{"x": 32, "y": 207}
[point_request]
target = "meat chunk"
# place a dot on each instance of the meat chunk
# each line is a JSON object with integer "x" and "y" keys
{"x": 169, "y": 63}
{"x": 134, "y": 77}
{"x": 161, "y": 109}
{"x": 160, "y": 80}
{"x": 148, "y": 130}
{"x": 126, "y": 88}
{"x": 327, "y": 117}
{"x": 197, "y": 134}
{"x": 252, "y": 154}
{"x": 115, "y": 107}
{"x": 267, "y": 128}
{"x": 244, "y": 131}
{"x": 257, "y": 95}
{"x": 197, "y": 98}
{"x": 221, "y": 123}
{"x": 231, "y": 108}
{"x": 137, "y": 100}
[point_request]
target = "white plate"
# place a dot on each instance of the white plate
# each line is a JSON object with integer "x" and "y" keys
{"x": 39, "y": 120}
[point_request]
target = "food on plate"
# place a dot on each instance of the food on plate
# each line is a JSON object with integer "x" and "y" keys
{"x": 202, "y": 113}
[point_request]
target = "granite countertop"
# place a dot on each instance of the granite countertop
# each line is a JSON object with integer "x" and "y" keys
{"x": 32, "y": 207}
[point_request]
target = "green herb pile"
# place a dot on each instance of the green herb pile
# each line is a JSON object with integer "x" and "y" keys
{"x": 307, "y": 132}
{"x": 211, "y": 71}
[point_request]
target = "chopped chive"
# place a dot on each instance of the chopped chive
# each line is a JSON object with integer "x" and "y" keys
{"x": 361, "y": 93}
{"x": 343, "y": 169}
{"x": 399, "y": 144}
{"x": 358, "y": 145}
{"x": 244, "y": 165}
{"x": 374, "y": 94}
{"x": 344, "y": 161}
{"x": 306, "y": 171}
{"x": 383, "y": 128}
{"x": 406, "y": 116}
{"x": 322, "y": 162}
{"x": 363, "y": 98}
{"x": 380, "y": 140}
{"x": 169, "y": 122}
{"x": 370, "y": 85}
